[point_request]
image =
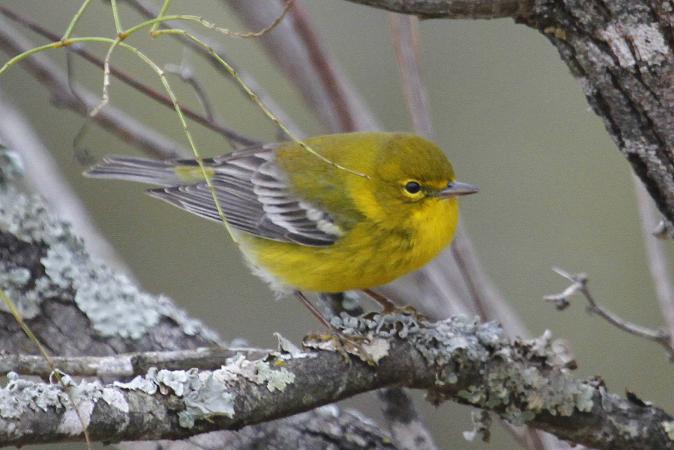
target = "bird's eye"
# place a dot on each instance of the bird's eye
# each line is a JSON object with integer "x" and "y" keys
{"x": 412, "y": 187}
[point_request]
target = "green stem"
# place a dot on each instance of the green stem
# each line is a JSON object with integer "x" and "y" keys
{"x": 75, "y": 19}
{"x": 162, "y": 12}
{"x": 115, "y": 15}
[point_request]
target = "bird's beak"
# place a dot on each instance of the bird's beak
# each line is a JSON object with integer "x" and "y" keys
{"x": 456, "y": 188}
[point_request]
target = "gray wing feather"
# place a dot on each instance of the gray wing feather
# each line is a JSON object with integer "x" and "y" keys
{"x": 254, "y": 196}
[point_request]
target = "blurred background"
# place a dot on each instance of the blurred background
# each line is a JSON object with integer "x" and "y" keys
{"x": 555, "y": 191}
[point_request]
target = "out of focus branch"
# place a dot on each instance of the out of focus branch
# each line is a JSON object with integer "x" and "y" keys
{"x": 45, "y": 177}
{"x": 112, "y": 119}
{"x": 163, "y": 99}
{"x": 656, "y": 255}
{"x": 298, "y": 50}
{"x": 149, "y": 9}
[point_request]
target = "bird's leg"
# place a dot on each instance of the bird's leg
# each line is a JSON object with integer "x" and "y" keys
{"x": 311, "y": 307}
{"x": 388, "y": 307}
{"x": 344, "y": 344}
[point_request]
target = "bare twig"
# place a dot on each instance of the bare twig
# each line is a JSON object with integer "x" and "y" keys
{"x": 148, "y": 10}
{"x": 656, "y": 256}
{"x": 579, "y": 284}
{"x": 54, "y": 79}
{"x": 297, "y": 49}
{"x": 405, "y": 33}
{"x": 185, "y": 72}
{"x": 454, "y": 9}
{"x": 131, "y": 81}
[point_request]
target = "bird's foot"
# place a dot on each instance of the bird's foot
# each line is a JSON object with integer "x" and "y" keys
{"x": 389, "y": 307}
{"x": 407, "y": 310}
{"x": 344, "y": 344}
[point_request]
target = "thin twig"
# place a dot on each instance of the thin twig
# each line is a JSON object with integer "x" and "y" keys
{"x": 405, "y": 32}
{"x": 579, "y": 284}
{"x": 125, "y": 364}
{"x": 147, "y": 9}
{"x": 656, "y": 255}
{"x": 54, "y": 79}
{"x": 298, "y": 50}
{"x": 131, "y": 81}
{"x": 185, "y": 72}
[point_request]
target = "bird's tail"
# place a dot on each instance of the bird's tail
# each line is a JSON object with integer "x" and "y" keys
{"x": 162, "y": 173}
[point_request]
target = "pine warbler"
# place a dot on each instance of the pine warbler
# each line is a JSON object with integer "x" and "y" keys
{"x": 304, "y": 224}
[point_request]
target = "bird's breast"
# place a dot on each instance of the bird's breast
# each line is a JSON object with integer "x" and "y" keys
{"x": 368, "y": 255}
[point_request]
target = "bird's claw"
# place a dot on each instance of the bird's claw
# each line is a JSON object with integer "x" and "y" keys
{"x": 345, "y": 345}
{"x": 407, "y": 310}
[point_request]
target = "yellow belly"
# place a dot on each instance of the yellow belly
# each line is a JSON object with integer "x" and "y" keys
{"x": 367, "y": 256}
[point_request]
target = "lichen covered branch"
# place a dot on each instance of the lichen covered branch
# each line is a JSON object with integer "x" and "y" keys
{"x": 457, "y": 359}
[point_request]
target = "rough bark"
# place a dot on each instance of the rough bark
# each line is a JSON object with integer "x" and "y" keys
{"x": 453, "y": 9}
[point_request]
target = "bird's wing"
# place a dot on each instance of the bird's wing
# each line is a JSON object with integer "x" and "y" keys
{"x": 255, "y": 197}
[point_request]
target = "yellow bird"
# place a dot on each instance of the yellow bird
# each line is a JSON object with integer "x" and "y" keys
{"x": 305, "y": 224}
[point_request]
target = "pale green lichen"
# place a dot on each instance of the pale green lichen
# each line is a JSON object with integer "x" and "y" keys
{"x": 274, "y": 379}
{"x": 208, "y": 393}
{"x": 205, "y": 394}
{"x": 22, "y": 396}
{"x": 668, "y": 426}
{"x": 512, "y": 385}
{"x": 208, "y": 397}
{"x": 11, "y": 166}
{"x": 258, "y": 372}
{"x": 113, "y": 304}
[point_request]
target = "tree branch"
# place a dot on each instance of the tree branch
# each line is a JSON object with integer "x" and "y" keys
{"x": 579, "y": 285}
{"x": 44, "y": 175}
{"x": 456, "y": 359}
{"x": 454, "y": 9}
{"x": 112, "y": 119}
{"x": 297, "y": 49}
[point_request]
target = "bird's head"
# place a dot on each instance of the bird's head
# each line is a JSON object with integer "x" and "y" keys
{"x": 412, "y": 171}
